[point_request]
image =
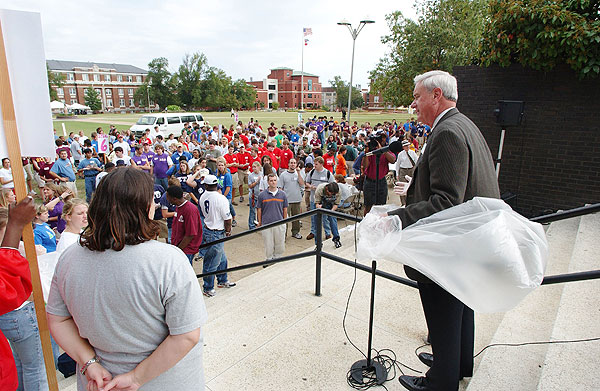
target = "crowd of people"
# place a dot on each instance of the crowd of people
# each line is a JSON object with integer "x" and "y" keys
{"x": 198, "y": 179}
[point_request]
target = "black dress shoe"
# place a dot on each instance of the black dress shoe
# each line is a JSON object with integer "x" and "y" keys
{"x": 426, "y": 358}
{"x": 414, "y": 383}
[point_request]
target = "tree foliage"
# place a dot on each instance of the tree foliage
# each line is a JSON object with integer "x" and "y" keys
{"x": 56, "y": 80}
{"x": 446, "y": 33}
{"x": 194, "y": 85}
{"x": 341, "y": 91}
{"x": 92, "y": 99}
{"x": 541, "y": 34}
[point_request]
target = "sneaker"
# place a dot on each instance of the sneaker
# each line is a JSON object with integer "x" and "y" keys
{"x": 234, "y": 223}
{"x": 234, "y": 203}
{"x": 297, "y": 236}
{"x": 226, "y": 284}
{"x": 241, "y": 199}
{"x": 337, "y": 243}
{"x": 209, "y": 293}
{"x": 310, "y": 236}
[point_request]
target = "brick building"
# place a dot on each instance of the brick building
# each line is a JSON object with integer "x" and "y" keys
{"x": 283, "y": 85}
{"x": 329, "y": 97}
{"x": 115, "y": 83}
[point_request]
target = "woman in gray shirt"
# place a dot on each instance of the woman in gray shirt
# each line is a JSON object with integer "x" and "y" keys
{"x": 127, "y": 308}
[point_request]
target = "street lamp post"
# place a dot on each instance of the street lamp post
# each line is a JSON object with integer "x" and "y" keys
{"x": 354, "y": 33}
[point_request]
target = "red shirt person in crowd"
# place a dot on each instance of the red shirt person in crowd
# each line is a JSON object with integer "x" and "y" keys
{"x": 286, "y": 155}
{"x": 15, "y": 282}
{"x": 329, "y": 158}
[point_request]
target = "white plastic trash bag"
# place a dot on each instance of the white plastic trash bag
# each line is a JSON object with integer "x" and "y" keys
{"x": 482, "y": 252}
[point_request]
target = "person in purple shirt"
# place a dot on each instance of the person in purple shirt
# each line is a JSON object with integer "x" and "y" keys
{"x": 140, "y": 160}
{"x": 147, "y": 151}
{"x": 161, "y": 163}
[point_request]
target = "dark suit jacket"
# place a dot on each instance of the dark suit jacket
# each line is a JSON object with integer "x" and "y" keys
{"x": 456, "y": 166}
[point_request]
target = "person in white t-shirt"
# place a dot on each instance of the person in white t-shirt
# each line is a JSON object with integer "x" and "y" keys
{"x": 120, "y": 158}
{"x": 123, "y": 144}
{"x": 6, "y": 178}
{"x": 75, "y": 214}
{"x": 214, "y": 207}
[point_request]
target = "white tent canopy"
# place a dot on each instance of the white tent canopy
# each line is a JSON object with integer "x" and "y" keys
{"x": 56, "y": 105}
{"x": 77, "y": 106}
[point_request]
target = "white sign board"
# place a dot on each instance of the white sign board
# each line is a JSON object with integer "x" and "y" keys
{"x": 103, "y": 143}
{"x": 22, "y": 32}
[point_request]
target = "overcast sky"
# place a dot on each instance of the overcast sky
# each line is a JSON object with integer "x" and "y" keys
{"x": 245, "y": 38}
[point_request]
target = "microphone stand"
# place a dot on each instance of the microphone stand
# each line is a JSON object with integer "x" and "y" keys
{"x": 360, "y": 367}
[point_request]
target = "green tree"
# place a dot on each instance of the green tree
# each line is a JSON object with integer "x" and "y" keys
{"x": 244, "y": 93}
{"x": 56, "y": 80}
{"x": 215, "y": 90}
{"x": 189, "y": 77}
{"x": 446, "y": 33}
{"x": 162, "y": 86}
{"x": 341, "y": 90}
{"x": 541, "y": 34}
{"x": 141, "y": 95}
{"x": 92, "y": 99}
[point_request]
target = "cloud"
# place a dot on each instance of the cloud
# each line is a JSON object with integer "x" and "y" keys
{"x": 245, "y": 39}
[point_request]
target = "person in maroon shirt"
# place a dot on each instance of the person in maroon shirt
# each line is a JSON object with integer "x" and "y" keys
{"x": 60, "y": 146}
{"x": 187, "y": 226}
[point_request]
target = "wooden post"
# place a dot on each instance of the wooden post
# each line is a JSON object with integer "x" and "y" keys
{"x": 14, "y": 154}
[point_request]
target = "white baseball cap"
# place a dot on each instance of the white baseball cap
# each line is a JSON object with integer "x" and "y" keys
{"x": 210, "y": 180}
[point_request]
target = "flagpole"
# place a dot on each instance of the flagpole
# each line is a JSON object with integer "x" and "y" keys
{"x": 302, "y": 73}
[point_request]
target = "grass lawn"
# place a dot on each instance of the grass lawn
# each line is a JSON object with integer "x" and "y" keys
{"x": 89, "y": 123}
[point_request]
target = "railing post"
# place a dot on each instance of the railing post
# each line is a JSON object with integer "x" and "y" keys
{"x": 319, "y": 240}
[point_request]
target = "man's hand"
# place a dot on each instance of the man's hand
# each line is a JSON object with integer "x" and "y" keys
{"x": 401, "y": 188}
{"x": 97, "y": 377}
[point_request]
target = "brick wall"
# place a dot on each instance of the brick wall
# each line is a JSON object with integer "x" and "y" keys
{"x": 551, "y": 161}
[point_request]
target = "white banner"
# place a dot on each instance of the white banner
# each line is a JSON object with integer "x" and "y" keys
{"x": 22, "y": 32}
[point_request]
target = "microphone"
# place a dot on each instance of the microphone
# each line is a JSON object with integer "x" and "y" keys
{"x": 394, "y": 147}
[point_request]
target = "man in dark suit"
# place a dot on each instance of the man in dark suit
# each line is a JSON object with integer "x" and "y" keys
{"x": 455, "y": 166}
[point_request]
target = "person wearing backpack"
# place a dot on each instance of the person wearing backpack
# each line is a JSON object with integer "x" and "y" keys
{"x": 314, "y": 178}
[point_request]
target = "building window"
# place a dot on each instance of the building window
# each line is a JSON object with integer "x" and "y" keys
{"x": 109, "y": 103}
{"x": 96, "y": 77}
{"x": 376, "y": 99}
{"x": 121, "y": 91}
{"x": 108, "y": 92}
{"x": 130, "y": 78}
{"x": 310, "y": 95}
{"x": 138, "y": 79}
{"x": 72, "y": 91}
{"x": 272, "y": 87}
{"x": 130, "y": 91}
{"x": 98, "y": 90}
{"x": 122, "y": 102}
{"x": 287, "y": 74}
{"x": 310, "y": 86}
{"x": 131, "y": 104}
{"x": 120, "y": 78}
{"x": 85, "y": 77}
{"x": 271, "y": 96}
{"x": 70, "y": 77}
{"x": 60, "y": 92}
{"x": 107, "y": 77}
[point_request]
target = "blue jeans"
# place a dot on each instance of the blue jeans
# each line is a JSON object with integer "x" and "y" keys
{"x": 330, "y": 226}
{"x": 190, "y": 258}
{"x": 252, "y": 214}
{"x": 322, "y": 138}
{"x": 231, "y": 210}
{"x": 164, "y": 182}
{"x": 214, "y": 258}
{"x": 90, "y": 187}
{"x": 170, "y": 229}
{"x": 313, "y": 219}
{"x": 21, "y": 329}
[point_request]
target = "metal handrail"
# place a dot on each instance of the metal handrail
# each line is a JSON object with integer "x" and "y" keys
{"x": 566, "y": 214}
{"x": 318, "y": 253}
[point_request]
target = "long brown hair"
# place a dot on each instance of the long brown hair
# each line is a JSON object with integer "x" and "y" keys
{"x": 118, "y": 213}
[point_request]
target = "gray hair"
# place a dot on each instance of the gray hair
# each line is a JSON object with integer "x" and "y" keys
{"x": 439, "y": 79}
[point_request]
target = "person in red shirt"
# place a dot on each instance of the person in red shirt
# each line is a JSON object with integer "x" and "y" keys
{"x": 232, "y": 164}
{"x": 329, "y": 158}
{"x": 244, "y": 162}
{"x": 15, "y": 282}
{"x": 245, "y": 139}
{"x": 256, "y": 156}
{"x": 274, "y": 159}
{"x": 187, "y": 226}
{"x": 286, "y": 155}
{"x": 340, "y": 167}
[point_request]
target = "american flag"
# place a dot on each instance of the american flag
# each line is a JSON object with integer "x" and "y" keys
{"x": 305, "y": 41}
{"x": 307, "y": 31}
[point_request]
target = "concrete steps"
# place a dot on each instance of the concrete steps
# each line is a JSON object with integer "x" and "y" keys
{"x": 575, "y": 366}
{"x": 521, "y": 368}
